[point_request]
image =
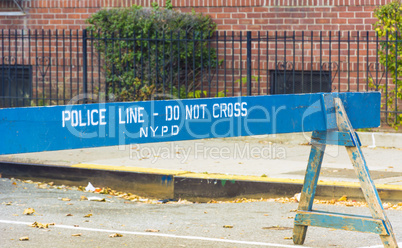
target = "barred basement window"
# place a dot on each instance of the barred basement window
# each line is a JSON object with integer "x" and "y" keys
{"x": 15, "y": 85}
{"x": 296, "y": 82}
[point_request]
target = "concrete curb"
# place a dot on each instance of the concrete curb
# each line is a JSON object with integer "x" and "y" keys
{"x": 172, "y": 184}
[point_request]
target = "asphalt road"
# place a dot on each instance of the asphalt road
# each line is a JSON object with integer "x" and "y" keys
{"x": 253, "y": 224}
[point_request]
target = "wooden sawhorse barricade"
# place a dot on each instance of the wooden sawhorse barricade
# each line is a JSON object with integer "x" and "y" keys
{"x": 330, "y": 116}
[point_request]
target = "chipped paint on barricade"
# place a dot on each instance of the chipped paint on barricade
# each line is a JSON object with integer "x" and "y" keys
{"x": 52, "y": 128}
{"x": 378, "y": 224}
{"x": 342, "y": 221}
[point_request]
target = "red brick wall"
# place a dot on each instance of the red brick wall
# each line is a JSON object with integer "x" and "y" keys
{"x": 229, "y": 14}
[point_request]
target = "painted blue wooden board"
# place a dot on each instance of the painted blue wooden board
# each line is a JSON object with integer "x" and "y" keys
{"x": 36, "y": 129}
{"x": 341, "y": 221}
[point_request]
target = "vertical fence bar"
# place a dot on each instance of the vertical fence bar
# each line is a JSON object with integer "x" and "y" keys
{"x": 78, "y": 61}
{"x": 224, "y": 59}
{"x": 376, "y": 62}
{"x": 386, "y": 75}
{"x": 249, "y": 63}
{"x": 15, "y": 101}
{"x": 320, "y": 61}
{"x": 302, "y": 62}
{"x": 209, "y": 64}
{"x": 194, "y": 68}
{"x": 233, "y": 63}
{"x": 396, "y": 78}
{"x": 241, "y": 64}
{"x": 9, "y": 68}
{"x": 178, "y": 65}
{"x": 294, "y": 60}
{"x": 57, "y": 66}
{"x": 284, "y": 62}
{"x": 216, "y": 63}
{"x": 367, "y": 60}
{"x": 84, "y": 64}
{"x": 358, "y": 60}
{"x": 329, "y": 87}
{"x": 258, "y": 61}
{"x": 50, "y": 67}
{"x": 348, "y": 61}
{"x": 267, "y": 73}
{"x": 23, "y": 66}
{"x": 311, "y": 60}
{"x": 157, "y": 61}
{"x": 64, "y": 66}
{"x": 339, "y": 61}
{"x": 274, "y": 89}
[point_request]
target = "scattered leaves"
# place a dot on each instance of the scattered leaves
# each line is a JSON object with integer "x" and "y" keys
{"x": 151, "y": 230}
{"x": 65, "y": 199}
{"x": 115, "y": 235}
{"x": 29, "y": 211}
{"x": 227, "y": 226}
{"x": 26, "y": 238}
{"x": 83, "y": 198}
{"x": 88, "y": 215}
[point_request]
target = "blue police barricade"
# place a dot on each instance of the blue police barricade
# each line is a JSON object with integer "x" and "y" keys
{"x": 330, "y": 116}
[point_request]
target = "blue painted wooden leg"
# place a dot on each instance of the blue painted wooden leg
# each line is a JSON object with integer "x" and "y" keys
{"x": 308, "y": 192}
{"x": 366, "y": 183}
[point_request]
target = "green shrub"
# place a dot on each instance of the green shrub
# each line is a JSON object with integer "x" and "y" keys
{"x": 147, "y": 51}
{"x": 389, "y": 27}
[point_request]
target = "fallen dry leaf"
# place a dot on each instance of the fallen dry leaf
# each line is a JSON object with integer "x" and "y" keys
{"x": 287, "y": 238}
{"x": 343, "y": 198}
{"x": 69, "y": 215}
{"x": 65, "y": 199}
{"x": 227, "y": 226}
{"x": 83, "y": 198}
{"x": 88, "y": 215}
{"x": 115, "y": 235}
{"x": 151, "y": 230}
{"x": 29, "y": 211}
{"x": 24, "y": 238}
{"x": 76, "y": 234}
{"x": 40, "y": 225}
{"x": 277, "y": 228}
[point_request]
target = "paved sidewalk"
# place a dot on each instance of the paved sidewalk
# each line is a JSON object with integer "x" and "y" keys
{"x": 257, "y": 158}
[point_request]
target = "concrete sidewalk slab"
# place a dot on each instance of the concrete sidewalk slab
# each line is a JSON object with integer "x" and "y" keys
{"x": 244, "y": 166}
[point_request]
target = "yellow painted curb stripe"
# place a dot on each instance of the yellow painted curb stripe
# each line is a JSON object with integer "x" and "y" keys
{"x": 211, "y": 176}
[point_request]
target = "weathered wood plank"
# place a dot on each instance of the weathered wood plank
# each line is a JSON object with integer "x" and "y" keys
{"x": 333, "y": 138}
{"x": 359, "y": 163}
{"x": 309, "y": 187}
{"x": 340, "y": 221}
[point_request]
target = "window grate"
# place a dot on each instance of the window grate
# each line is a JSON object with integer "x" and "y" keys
{"x": 15, "y": 85}
{"x": 297, "y": 82}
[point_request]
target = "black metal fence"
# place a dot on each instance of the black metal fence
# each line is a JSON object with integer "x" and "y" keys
{"x": 53, "y": 67}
